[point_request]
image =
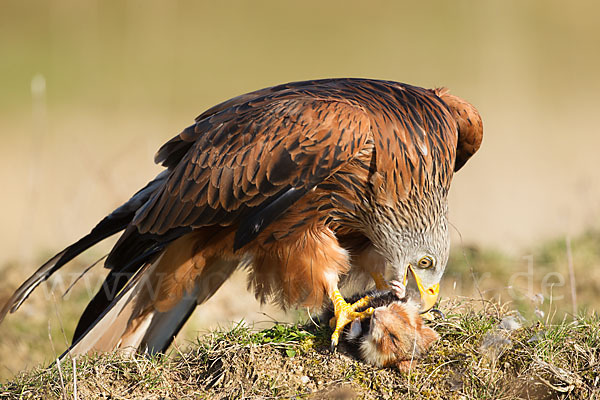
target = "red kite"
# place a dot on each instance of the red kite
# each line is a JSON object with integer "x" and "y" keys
{"x": 304, "y": 184}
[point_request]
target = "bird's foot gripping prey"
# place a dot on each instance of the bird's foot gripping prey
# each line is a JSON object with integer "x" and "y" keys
{"x": 306, "y": 185}
{"x": 394, "y": 335}
{"x": 346, "y": 313}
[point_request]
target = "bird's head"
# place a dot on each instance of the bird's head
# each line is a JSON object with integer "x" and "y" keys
{"x": 424, "y": 270}
{"x": 420, "y": 260}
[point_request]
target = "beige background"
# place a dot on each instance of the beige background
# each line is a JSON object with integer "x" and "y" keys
{"x": 122, "y": 77}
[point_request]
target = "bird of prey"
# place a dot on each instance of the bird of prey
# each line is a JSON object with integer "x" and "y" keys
{"x": 305, "y": 184}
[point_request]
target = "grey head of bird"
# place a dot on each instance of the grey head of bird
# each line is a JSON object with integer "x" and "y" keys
{"x": 415, "y": 250}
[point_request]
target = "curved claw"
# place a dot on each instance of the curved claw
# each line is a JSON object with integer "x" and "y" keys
{"x": 333, "y": 347}
{"x": 430, "y": 315}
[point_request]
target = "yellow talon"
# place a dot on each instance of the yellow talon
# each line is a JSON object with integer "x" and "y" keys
{"x": 346, "y": 313}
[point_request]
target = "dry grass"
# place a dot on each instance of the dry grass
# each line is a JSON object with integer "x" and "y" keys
{"x": 43, "y": 326}
{"x": 483, "y": 354}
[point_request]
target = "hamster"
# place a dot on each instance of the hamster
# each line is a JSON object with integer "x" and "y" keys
{"x": 394, "y": 335}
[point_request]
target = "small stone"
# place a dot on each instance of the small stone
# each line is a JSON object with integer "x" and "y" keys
{"x": 304, "y": 379}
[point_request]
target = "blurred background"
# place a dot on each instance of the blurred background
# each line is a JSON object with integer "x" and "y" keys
{"x": 89, "y": 90}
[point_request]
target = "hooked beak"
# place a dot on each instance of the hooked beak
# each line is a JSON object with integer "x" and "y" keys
{"x": 429, "y": 295}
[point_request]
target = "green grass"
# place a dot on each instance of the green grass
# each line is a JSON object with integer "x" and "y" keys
{"x": 531, "y": 279}
{"x": 475, "y": 358}
{"x": 552, "y": 354}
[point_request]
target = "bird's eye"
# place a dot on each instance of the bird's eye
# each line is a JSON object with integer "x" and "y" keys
{"x": 426, "y": 262}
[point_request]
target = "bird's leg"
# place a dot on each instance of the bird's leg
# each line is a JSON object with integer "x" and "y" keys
{"x": 380, "y": 283}
{"x": 346, "y": 313}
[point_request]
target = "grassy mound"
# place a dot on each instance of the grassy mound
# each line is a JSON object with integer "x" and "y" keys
{"x": 485, "y": 351}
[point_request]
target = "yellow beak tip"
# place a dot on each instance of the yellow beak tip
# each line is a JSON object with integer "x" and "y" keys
{"x": 429, "y": 296}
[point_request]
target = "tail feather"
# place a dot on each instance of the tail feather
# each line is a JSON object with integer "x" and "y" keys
{"x": 105, "y": 332}
{"x": 127, "y": 312}
{"x": 159, "y": 335}
{"x": 111, "y": 224}
{"x": 166, "y": 325}
{"x": 113, "y": 284}
{"x": 132, "y": 251}
{"x": 131, "y": 323}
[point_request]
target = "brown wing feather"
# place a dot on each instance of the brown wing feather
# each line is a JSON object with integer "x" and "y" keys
{"x": 415, "y": 140}
{"x": 470, "y": 126}
{"x": 171, "y": 152}
{"x": 247, "y": 155}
